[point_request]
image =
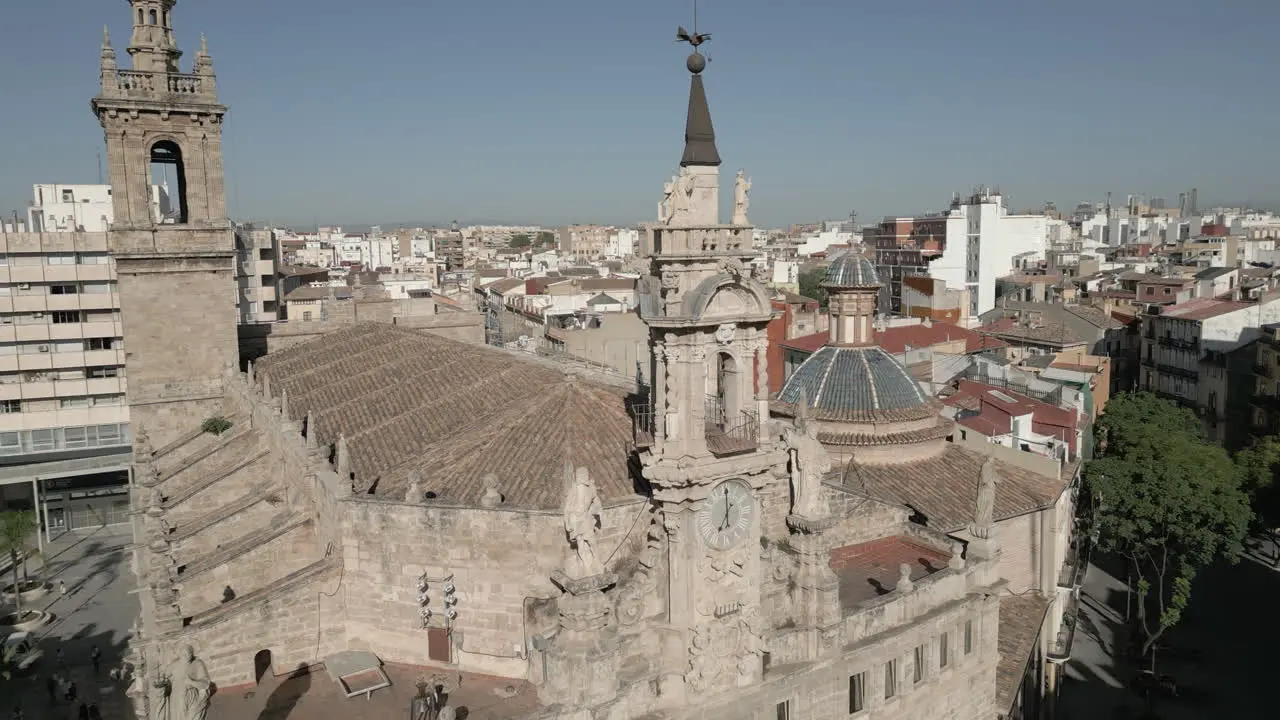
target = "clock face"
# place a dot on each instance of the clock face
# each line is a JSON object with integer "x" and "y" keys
{"x": 725, "y": 518}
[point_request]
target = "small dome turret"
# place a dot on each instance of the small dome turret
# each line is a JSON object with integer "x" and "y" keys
{"x": 851, "y": 270}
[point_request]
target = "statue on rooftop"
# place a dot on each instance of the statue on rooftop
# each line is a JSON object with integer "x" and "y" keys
{"x": 666, "y": 208}
{"x": 583, "y": 516}
{"x": 809, "y": 463}
{"x": 741, "y": 198}
{"x": 984, "y": 518}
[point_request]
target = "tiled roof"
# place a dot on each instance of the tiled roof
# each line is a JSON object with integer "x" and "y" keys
{"x": 851, "y": 270}
{"x": 504, "y": 285}
{"x": 403, "y": 399}
{"x": 1021, "y": 619}
{"x": 944, "y": 489}
{"x": 603, "y": 299}
{"x": 1202, "y": 309}
{"x": 318, "y": 293}
{"x": 608, "y": 284}
{"x": 1094, "y": 316}
{"x": 856, "y": 383}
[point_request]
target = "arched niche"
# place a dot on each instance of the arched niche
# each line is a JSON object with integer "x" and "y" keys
{"x": 727, "y": 296}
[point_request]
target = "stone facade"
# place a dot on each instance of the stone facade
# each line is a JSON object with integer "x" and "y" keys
{"x": 182, "y": 269}
{"x": 662, "y": 550}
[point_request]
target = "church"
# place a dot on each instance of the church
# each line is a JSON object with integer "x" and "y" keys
{"x": 689, "y": 547}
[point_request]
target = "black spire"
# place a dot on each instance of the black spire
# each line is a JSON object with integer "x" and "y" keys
{"x": 699, "y": 135}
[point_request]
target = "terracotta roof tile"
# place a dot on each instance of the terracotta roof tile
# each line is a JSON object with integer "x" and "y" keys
{"x": 1021, "y": 618}
{"x": 870, "y": 569}
{"x": 401, "y": 398}
{"x": 944, "y": 489}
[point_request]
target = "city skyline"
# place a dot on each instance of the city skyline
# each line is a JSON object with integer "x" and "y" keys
{"x": 568, "y": 113}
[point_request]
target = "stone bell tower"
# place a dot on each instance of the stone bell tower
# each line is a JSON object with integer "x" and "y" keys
{"x": 175, "y": 267}
{"x": 702, "y": 438}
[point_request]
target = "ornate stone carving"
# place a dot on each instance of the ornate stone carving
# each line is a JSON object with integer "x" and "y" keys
{"x": 704, "y": 667}
{"x": 760, "y": 272}
{"x": 670, "y": 280}
{"x": 630, "y": 604}
{"x": 698, "y": 353}
{"x": 741, "y": 198}
{"x": 182, "y": 690}
{"x": 751, "y": 644}
{"x": 732, "y": 267}
{"x": 583, "y": 515}
{"x": 672, "y": 354}
{"x": 725, "y": 333}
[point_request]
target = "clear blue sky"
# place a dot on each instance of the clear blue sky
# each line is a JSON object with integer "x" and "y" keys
{"x": 556, "y": 111}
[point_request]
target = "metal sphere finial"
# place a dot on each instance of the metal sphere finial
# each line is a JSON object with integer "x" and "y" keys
{"x": 696, "y": 62}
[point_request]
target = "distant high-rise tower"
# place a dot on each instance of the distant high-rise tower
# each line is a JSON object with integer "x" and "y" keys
{"x": 176, "y": 281}
{"x": 1192, "y": 201}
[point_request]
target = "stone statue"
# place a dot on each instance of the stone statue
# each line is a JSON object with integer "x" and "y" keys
{"x": 741, "y": 198}
{"x": 684, "y": 192}
{"x": 667, "y": 206}
{"x": 583, "y": 515}
{"x": 809, "y": 463}
{"x": 904, "y": 579}
{"x": 182, "y": 691}
{"x": 492, "y": 492}
{"x": 985, "y": 516}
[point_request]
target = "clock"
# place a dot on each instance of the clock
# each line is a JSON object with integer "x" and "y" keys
{"x": 725, "y": 518}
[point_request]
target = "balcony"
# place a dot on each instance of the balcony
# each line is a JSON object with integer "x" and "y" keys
{"x": 1266, "y": 402}
{"x": 1267, "y": 371}
{"x": 139, "y": 85}
{"x": 1180, "y": 343}
{"x": 1075, "y": 564}
{"x": 1179, "y": 371}
{"x": 1060, "y": 649}
{"x": 729, "y": 433}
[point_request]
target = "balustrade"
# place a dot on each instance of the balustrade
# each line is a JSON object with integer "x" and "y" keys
{"x": 136, "y": 83}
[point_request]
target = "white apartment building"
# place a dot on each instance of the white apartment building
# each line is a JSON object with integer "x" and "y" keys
{"x": 64, "y": 421}
{"x": 623, "y": 243}
{"x": 982, "y": 239}
{"x": 257, "y": 277}
{"x": 83, "y": 208}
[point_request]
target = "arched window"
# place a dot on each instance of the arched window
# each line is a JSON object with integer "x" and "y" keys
{"x": 141, "y": 21}
{"x": 166, "y": 18}
{"x": 168, "y": 172}
{"x": 153, "y": 17}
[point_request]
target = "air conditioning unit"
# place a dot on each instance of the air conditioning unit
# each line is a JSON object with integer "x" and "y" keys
{"x": 43, "y": 348}
{"x": 24, "y": 286}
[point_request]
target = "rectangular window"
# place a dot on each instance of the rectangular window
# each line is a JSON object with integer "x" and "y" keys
{"x": 64, "y": 317}
{"x": 62, "y": 290}
{"x": 69, "y": 403}
{"x": 42, "y": 440}
{"x": 857, "y": 692}
{"x": 944, "y": 649}
{"x": 10, "y": 406}
{"x": 60, "y": 259}
{"x": 75, "y": 437}
{"x": 784, "y": 710}
{"x": 92, "y": 258}
{"x": 68, "y": 196}
{"x": 102, "y": 372}
{"x": 10, "y": 443}
{"x": 968, "y": 636}
{"x": 95, "y": 288}
{"x": 104, "y": 400}
{"x": 890, "y": 679}
{"x": 917, "y": 671}
{"x": 99, "y": 344}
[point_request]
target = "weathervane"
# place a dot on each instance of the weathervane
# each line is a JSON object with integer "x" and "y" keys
{"x": 696, "y": 62}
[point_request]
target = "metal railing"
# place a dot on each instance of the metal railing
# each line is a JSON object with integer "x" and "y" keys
{"x": 729, "y": 432}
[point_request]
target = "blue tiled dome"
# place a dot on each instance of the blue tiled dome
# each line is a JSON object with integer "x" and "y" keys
{"x": 856, "y": 384}
{"x": 852, "y": 270}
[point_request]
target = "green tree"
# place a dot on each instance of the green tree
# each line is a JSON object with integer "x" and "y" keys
{"x": 16, "y": 528}
{"x": 1260, "y": 467}
{"x": 1169, "y": 503}
{"x": 520, "y": 241}
{"x": 546, "y": 238}
{"x": 810, "y": 282}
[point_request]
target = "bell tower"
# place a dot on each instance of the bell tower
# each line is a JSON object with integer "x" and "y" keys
{"x": 172, "y": 242}
{"x": 704, "y": 442}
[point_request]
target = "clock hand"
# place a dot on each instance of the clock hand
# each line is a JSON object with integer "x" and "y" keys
{"x": 726, "y": 509}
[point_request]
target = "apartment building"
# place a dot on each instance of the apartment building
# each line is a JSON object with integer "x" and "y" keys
{"x": 1192, "y": 354}
{"x": 257, "y": 275}
{"x": 83, "y": 208}
{"x": 64, "y": 421}
{"x": 1264, "y": 404}
{"x": 967, "y": 247}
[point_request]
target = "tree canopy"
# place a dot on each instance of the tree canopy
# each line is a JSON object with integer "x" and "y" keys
{"x": 810, "y": 282}
{"x": 520, "y": 241}
{"x": 1260, "y": 474}
{"x": 16, "y": 529}
{"x": 546, "y": 238}
{"x": 1169, "y": 502}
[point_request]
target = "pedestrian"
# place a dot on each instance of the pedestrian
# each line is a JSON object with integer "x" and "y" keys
{"x": 84, "y": 712}
{"x": 52, "y": 686}
{"x": 95, "y": 655}
{"x": 71, "y": 691}
{"x": 17, "y": 713}
{"x": 62, "y": 588}
{"x": 62, "y": 660}
{"x": 93, "y": 712}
